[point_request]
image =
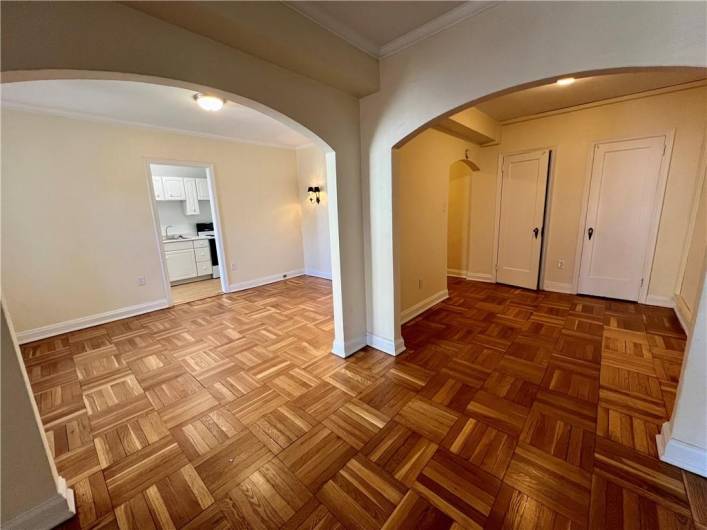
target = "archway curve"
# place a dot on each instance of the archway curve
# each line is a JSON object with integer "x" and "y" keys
{"x": 340, "y": 346}
{"x": 540, "y": 82}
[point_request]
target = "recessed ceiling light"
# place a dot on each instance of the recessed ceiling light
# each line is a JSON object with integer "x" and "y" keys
{"x": 565, "y": 81}
{"x": 210, "y": 103}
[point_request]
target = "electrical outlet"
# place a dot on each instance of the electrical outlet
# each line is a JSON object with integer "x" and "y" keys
{"x": 233, "y": 267}
{"x": 141, "y": 280}
{"x": 560, "y": 263}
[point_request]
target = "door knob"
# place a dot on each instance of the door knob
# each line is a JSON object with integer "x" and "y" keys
{"x": 590, "y": 232}
{"x": 536, "y": 231}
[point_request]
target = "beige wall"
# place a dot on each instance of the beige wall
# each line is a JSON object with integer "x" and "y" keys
{"x": 695, "y": 250}
{"x": 458, "y": 218}
{"x": 424, "y": 173}
{"x": 27, "y": 476}
{"x": 571, "y": 135}
{"x": 311, "y": 171}
{"x": 77, "y": 225}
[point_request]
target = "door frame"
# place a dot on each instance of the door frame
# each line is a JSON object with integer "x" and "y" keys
{"x": 669, "y": 136}
{"x": 215, "y": 214}
{"x": 549, "y": 189}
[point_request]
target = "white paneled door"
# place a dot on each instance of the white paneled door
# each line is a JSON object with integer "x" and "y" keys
{"x": 621, "y": 216}
{"x": 522, "y": 210}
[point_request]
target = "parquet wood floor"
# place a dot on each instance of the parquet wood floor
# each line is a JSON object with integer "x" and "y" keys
{"x": 511, "y": 409}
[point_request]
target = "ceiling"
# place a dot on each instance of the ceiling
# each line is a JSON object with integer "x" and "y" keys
{"x": 381, "y": 28}
{"x": 149, "y": 105}
{"x": 551, "y": 97}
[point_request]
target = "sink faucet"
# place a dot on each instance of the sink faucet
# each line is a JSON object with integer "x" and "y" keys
{"x": 166, "y": 231}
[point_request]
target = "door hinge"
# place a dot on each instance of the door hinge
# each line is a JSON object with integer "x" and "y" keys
{"x": 641, "y": 282}
{"x": 665, "y": 147}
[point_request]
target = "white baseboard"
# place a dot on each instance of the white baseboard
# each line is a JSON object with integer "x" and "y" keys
{"x": 480, "y": 277}
{"x": 457, "y": 273}
{"x": 348, "y": 348}
{"x": 386, "y": 345}
{"x": 52, "y": 512}
{"x": 318, "y": 274}
{"x": 681, "y": 454}
{"x": 683, "y": 312}
{"x": 51, "y": 330}
{"x": 264, "y": 280}
{"x": 411, "y": 312}
{"x": 660, "y": 301}
{"x": 558, "y": 287}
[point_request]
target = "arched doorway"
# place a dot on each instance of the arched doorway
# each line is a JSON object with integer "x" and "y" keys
{"x": 340, "y": 346}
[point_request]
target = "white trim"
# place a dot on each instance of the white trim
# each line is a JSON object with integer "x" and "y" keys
{"x": 457, "y": 273}
{"x": 411, "y": 312}
{"x": 434, "y": 26}
{"x": 264, "y": 280}
{"x": 680, "y": 454}
{"x": 558, "y": 287}
{"x": 348, "y": 348}
{"x": 51, "y": 330}
{"x": 55, "y": 510}
{"x": 344, "y": 31}
{"x": 683, "y": 312}
{"x": 386, "y": 345}
{"x": 654, "y": 222}
{"x": 318, "y": 274}
{"x": 480, "y": 277}
{"x": 35, "y": 109}
{"x": 660, "y": 301}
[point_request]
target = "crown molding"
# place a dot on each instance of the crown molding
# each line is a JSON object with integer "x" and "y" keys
{"x": 434, "y": 26}
{"x": 35, "y": 109}
{"x": 329, "y": 23}
{"x": 428, "y": 29}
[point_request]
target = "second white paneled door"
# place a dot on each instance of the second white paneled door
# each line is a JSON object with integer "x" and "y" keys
{"x": 624, "y": 198}
{"x": 522, "y": 210}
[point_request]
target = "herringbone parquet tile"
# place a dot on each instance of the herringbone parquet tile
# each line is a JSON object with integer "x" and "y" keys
{"x": 511, "y": 409}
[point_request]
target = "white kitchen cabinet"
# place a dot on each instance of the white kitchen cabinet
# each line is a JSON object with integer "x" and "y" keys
{"x": 202, "y": 189}
{"x": 173, "y": 188}
{"x": 191, "y": 202}
{"x": 202, "y": 254}
{"x": 181, "y": 264}
{"x": 204, "y": 268}
{"x": 158, "y": 188}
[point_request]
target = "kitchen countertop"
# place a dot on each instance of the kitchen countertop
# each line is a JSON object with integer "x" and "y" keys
{"x": 186, "y": 238}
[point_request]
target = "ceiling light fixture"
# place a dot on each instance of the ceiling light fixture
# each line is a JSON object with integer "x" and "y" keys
{"x": 565, "y": 81}
{"x": 210, "y": 103}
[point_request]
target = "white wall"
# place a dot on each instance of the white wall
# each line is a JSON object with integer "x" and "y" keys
{"x": 171, "y": 214}
{"x": 311, "y": 171}
{"x": 510, "y": 44}
{"x": 68, "y": 248}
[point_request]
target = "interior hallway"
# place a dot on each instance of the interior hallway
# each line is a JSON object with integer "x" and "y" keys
{"x": 508, "y": 406}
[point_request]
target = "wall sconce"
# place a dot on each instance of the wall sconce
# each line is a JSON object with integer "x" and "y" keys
{"x": 314, "y": 194}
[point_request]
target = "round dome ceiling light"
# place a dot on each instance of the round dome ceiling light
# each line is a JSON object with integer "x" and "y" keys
{"x": 565, "y": 81}
{"x": 210, "y": 103}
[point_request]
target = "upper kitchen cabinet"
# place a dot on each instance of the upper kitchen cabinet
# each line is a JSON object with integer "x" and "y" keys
{"x": 174, "y": 188}
{"x": 202, "y": 189}
{"x": 158, "y": 188}
{"x": 191, "y": 201}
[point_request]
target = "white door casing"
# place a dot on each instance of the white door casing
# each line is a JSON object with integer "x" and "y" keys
{"x": 520, "y": 226}
{"x": 625, "y": 197}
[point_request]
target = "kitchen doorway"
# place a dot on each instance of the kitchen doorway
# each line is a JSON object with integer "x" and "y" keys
{"x": 188, "y": 230}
